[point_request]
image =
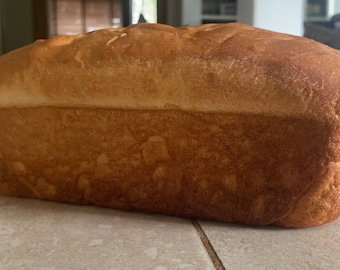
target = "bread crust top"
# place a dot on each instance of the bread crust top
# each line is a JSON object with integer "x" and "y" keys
{"x": 215, "y": 67}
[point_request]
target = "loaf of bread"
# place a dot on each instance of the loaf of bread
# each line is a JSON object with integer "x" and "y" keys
{"x": 221, "y": 122}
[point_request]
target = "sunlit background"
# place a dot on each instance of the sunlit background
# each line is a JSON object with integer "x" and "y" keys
{"x": 147, "y": 8}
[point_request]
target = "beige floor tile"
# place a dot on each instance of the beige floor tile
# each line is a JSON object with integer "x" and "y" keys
{"x": 274, "y": 248}
{"x": 45, "y": 235}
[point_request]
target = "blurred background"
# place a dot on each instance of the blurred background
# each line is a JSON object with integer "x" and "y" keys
{"x": 23, "y": 21}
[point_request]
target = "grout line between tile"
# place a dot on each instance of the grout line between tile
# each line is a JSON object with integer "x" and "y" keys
{"x": 207, "y": 245}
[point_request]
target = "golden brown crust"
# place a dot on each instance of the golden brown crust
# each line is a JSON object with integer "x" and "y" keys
{"x": 244, "y": 168}
{"x": 224, "y": 122}
{"x": 221, "y": 60}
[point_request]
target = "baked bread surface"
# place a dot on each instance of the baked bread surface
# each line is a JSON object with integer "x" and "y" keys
{"x": 223, "y": 122}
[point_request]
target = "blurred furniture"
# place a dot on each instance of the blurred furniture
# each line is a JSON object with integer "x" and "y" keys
{"x": 195, "y": 12}
{"x": 321, "y": 10}
{"x": 219, "y": 11}
{"x": 326, "y": 32}
{"x": 279, "y": 15}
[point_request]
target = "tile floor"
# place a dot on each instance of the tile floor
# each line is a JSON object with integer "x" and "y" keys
{"x": 46, "y": 235}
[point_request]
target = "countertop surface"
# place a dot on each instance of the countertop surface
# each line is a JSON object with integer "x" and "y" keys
{"x": 45, "y": 235}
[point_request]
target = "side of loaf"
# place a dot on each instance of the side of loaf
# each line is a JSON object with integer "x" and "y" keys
{"x": 221, "y": 122}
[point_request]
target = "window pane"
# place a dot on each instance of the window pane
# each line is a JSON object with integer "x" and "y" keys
{"x": 147, "y": 8}
{"x": 81, "y": 16}
{"x": 97, "y": 14}
{"x": 69, "y": 15}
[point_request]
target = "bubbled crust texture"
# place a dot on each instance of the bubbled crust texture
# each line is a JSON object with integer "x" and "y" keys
{"x": 223, "y": 122}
